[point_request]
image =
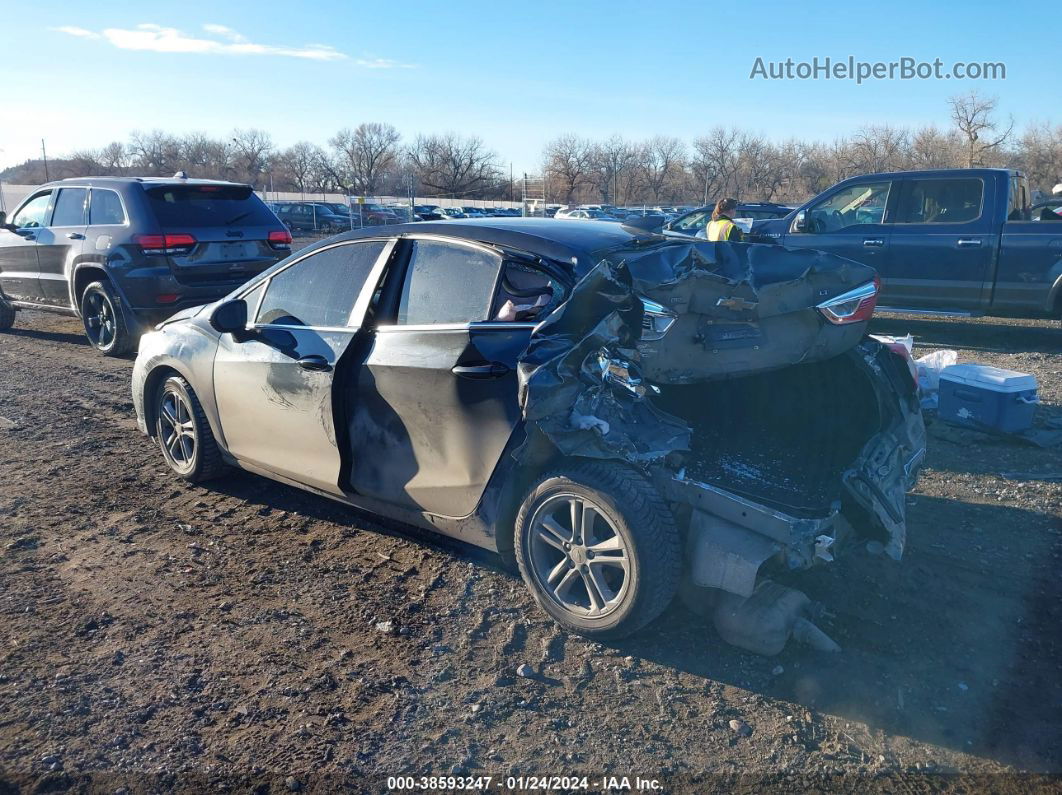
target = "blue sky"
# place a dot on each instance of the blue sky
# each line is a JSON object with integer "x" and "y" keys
{"x": 514, "y": 73}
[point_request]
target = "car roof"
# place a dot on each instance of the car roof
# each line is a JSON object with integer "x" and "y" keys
{"x": 577, "y": 242}
{"x": 152, "y": 181}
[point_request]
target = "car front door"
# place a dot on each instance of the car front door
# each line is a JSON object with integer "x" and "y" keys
{"x": 435, "y": 396}
{"x": 274, "y": 384}
{"x": 942, "y": 245}
{"x": 852, "y": 222}
{"x": 60, "y": 240}
{"x": 19, "y": 266}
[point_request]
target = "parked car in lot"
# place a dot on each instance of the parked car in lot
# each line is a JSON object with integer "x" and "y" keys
{"x": 694, "y": 222}
{"x": 579, "y": 213}
{"x": 124, "y": 253}
{"x": 430, "y": 212}
{"x": 314, "y": 217}
{"x": 951, "y": 240}
{"x": 470, "y": 377}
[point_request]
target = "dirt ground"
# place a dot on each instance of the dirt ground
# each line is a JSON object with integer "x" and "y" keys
{"x": 162, "y": 636}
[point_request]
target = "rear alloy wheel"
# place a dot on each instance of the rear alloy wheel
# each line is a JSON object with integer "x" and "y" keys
{"x": 599, "y": 550}
{"x": 7, "y": 315}
{"x": 184, "y": 435}
{"x": 104, "y": 319}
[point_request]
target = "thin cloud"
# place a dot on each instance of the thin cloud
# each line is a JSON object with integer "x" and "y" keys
{"x": 225, "y": 41}
{"x": 71, "y": 30}
{"x": 383, "y": 63}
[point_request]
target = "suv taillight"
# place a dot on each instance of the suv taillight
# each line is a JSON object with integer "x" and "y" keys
{"x": 855, "y": 306}
{"x": 280, "y": 238}
{"x": 165, "y": 244}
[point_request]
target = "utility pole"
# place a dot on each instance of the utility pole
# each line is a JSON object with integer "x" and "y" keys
{"x": 510, "y": 182}
{"x": 44, "y": 154}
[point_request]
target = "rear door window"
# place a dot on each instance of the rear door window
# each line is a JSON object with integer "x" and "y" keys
{"x": 190, "y": 206}
{"x": 321, "y": 289}
{"x": 447, "y": 283}
{"x": 105, "y": 208}
{"x": 941, "y": 201}
{"x": 70, "y": 207}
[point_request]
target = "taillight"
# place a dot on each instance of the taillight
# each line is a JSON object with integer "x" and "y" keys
{"x": 855, "y": 306}
{"x": 165, "y": 244}
{"x": 280, "y": 238}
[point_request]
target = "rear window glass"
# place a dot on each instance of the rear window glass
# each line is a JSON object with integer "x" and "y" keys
{"x": 105, "y": 208}
{"x": 189, "y": 206}
{"x": 447, "y": 283}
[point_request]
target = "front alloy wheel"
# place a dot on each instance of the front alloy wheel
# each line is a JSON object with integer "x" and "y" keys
{"x": 183, "y": 433}
{"x": 177, "y": 431}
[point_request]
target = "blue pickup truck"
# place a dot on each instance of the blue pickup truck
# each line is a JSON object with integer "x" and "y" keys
{"x": 950, "y": 241}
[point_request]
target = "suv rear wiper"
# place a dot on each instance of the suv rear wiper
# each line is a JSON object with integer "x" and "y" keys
{"x": 238, "y": 217}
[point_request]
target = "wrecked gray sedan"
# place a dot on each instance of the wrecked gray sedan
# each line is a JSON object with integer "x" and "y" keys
{"x": 620, "y": 414}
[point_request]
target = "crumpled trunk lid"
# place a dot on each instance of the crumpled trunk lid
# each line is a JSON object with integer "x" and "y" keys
{"x": 595, "y": 376}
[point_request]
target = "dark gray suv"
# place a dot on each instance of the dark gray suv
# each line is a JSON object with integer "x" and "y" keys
{"x": 124, "y": 253}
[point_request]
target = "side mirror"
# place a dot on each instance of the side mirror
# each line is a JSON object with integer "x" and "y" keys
{"x": 800, "y": 223}
{"x": 230, "y": 317}
{"x": 4, "y": 224}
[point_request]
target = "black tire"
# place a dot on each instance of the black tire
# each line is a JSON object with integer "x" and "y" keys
{"x": 634, "y": 512}
{"x": 201, "y": 459}
{"x": 103, "y": 316}
{"x": 7, "y": 315}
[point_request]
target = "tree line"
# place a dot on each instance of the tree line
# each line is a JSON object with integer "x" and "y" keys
{"x": 374, "y": 159}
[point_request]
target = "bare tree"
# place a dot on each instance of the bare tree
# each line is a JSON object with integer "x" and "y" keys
{"x": 452, "y": 165}
{"x": 253, "y": 148}
{"x": 934, "y": 148}
{"x": 973, "y": 115}
{"x": 298, "y": 166}
{"x": 611, "y": 165}
{"x": 663, "y": 159}
{"x": 715, "y": 163}
{"x": 154, "y": 153}
{"x": 568, "y": 163}
{"x": 366, "y": 153}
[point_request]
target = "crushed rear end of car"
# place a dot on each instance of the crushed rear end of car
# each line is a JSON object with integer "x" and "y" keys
{"x": 740, "y": 380}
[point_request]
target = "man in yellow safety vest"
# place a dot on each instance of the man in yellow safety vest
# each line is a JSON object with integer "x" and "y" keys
{"x": 722, "y": 226}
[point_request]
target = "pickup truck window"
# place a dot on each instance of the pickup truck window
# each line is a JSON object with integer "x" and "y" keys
{"x": 856, "y": 204}
{"x": 941, "y": 201}
{"x": 1018, "y": 201}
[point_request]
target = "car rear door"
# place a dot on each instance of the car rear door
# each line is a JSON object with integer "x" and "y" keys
{"x": 435, "y": 395}
{"x": 60, "y": 241}
{"x": 943, "y": 245}
{"x": 19, "y": 267}
{"x": 274, "y": 384}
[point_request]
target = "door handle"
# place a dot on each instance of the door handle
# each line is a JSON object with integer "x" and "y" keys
{"x": 315, "y": 363}
{"x": 873, "y": 242}
{"x": 75, "y": 235}
{"x": 480, "y": 371}
{"x": 964, "y": 242}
